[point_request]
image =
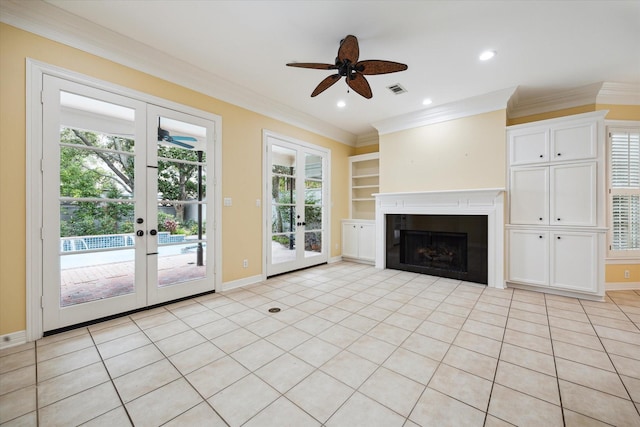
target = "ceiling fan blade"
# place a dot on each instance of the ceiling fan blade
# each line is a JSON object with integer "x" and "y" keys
{"x": 180, "y": 144}
{"x": 184, "y": 138}
{"x": 349, "y": 49}
{"x": 375, "y": 66}
{"x": 358, "y": 83}
{"x": 313, "y": 65}
{"x": 325, "y": 84}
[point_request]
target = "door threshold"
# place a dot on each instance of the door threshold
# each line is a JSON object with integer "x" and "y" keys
{"x": 116, "y": 316}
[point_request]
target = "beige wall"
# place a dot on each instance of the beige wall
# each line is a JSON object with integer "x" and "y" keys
{"x": 241, "y": 155}
{"x": 467, "y": 153}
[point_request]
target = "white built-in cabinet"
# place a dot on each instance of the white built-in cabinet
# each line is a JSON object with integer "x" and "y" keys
{"x": 358, "y": 232}
{"x": 555, "y": 228}
{"x": 359, "y": 240}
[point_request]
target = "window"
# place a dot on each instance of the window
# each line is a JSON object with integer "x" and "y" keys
{"x": 624, "y": 192}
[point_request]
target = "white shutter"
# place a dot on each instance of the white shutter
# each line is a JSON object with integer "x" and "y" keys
{"x": 625, "y": 160}
{"x": 624, "y": 167}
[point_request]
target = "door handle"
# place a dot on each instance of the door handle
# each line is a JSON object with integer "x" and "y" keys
{"x": 153, "y": 232}
{"x": 139, "y": 220}
{"x": 139, "y": 233}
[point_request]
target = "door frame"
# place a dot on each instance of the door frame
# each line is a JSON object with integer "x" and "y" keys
{"x": 266, "y": 176}
{"x": 35, "y": 70}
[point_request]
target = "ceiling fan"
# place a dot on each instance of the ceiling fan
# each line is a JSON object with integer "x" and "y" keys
{"x": 164, "y": 135}
{"x": 348, "y": 66}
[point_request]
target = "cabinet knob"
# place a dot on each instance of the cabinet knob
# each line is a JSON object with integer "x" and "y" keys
{"x": 559, "y": 154}
{"x": 558, "y": 219}
{"x": 354, "y": 226}
{"x": 540, "y": 237}
{"x": 558, "y": 237}
{"x": 541, "y": 156}
{"x": 540, "y": 218}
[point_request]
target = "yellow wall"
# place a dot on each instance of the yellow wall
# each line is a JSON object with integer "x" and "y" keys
{"x": 551, "y": 115}
{"x": 615, "y": 273}
{"x": 466, "y": 153}
{"x": 616, "y": 112}
{"x": 241, "y": 154}
{"x": 374, "y": 148}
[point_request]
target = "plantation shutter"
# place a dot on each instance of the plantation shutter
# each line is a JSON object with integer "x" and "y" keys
{"x": 625, "y": 191}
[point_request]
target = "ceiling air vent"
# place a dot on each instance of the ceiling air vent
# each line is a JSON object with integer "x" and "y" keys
{"x": 397, "y": 89}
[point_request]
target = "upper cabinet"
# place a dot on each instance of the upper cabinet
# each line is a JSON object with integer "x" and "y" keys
{"x": 559, "y": 142}
{"x": 364, "y": 181}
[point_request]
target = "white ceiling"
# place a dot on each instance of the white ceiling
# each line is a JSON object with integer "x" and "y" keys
{"x": 542, "y": 47}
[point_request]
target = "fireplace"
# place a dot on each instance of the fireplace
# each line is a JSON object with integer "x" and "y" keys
{"x": 453, "y": 246}
{"x": 412, "y": 233}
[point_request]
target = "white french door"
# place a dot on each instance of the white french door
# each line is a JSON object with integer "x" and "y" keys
{"x": 125, "y": 204}
{"x": 296, "y": 201}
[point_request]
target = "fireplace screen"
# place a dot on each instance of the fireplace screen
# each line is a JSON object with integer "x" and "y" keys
{"x": 435, "y": 250}
{"x": 453, "y": 246}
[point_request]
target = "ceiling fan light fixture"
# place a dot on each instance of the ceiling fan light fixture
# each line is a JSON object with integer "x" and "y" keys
{"x": 348, "y": 65}
{"x": 427, "y": 101}
{"x": 487, "y": 55}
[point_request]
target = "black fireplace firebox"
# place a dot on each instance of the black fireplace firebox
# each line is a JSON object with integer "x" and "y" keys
{"x": 453, "y": 246}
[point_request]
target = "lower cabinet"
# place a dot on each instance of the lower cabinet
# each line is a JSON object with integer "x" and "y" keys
{"x": 565, "y": 260}
{"x": 359, "y": 240}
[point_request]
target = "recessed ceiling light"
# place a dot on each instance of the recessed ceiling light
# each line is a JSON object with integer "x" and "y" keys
{"x": 341, "y": 104}
{"x": 427, "y": 101}
{"x": 487, "y": 54}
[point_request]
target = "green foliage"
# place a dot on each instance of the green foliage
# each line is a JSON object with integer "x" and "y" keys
{"x": 88, "y": 171}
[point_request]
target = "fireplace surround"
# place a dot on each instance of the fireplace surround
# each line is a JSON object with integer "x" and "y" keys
{"x": 487, "y": 203}
{"x": 453, "y": 246}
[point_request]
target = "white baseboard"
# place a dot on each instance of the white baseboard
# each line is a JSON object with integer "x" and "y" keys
{"x": 335, "y": 259}
{"x": 621, "y": 286}
{"x": 13, "y": 339}
{"x": 227, "y": 286}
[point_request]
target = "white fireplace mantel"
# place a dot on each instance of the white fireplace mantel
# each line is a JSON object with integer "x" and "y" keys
{"x": 486, "y": 201}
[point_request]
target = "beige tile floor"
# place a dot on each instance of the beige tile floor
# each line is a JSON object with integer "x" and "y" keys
{"x": 352, "y": 346}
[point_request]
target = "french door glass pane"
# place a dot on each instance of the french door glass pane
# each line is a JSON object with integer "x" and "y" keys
{"x": 313, "y": 217}
{"x": 283, "y": 205}
{"x": 181, "y": 208}
{"x": 97, "y": 256}
{"x": 178, "y": 263}
{"x": 312, "y": 243}
{"x": 283, "y": 248}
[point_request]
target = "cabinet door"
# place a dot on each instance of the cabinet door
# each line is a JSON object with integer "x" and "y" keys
{"x": 529, "y": 257}
{"x": 529, "y": 196}
{"x": 529, "y": 146}
{"x": 573, "y": 194}
{"x": 349, "y": 240}
{"x": 574, "y": 141}
{"x": 367, "y": 242}
{"x": 574, "y": 261}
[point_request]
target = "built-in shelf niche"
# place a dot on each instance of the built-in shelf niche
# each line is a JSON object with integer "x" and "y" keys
{"x": 364, "y": 179}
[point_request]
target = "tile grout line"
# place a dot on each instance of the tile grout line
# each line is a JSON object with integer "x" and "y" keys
{"x": 495, "y": 374}
{"x": 609, "y": 355}
{"x": 553, "y": 354}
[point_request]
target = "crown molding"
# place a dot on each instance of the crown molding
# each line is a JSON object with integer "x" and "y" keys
{"x": 619, "y": 94}
{"x": 370, "y": 138}
{"x": 455, "y": 110}
{"x": 53, "y": 23}
{"x": 596, "y": 93}
{"x": 521, "y": 106}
